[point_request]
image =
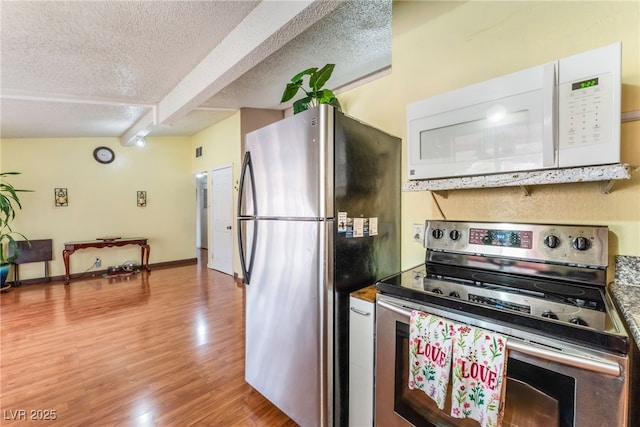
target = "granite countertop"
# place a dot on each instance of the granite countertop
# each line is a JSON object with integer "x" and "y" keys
{"x": 625, "y": 291}
{"x": 366, "y": 294}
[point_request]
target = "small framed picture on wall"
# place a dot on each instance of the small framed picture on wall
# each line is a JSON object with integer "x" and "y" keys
{"x": 61, "y": 196}
{"x": 142, "y": 198}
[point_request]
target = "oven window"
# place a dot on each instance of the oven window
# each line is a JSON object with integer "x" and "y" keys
{"x": 535, "y": 396}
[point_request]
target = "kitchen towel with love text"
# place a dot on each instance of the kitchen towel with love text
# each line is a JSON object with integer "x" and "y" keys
{"x": 430, "y": 347}
{"x": 479, "y": 371}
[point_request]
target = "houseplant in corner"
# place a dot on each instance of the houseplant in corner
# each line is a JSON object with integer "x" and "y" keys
{"x": 9, "y": 203}
{"x": 315, "y": 95}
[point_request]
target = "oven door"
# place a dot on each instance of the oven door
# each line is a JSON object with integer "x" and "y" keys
{"x": 546, "y": 385}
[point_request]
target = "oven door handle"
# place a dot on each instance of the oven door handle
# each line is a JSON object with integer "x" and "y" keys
{"x": 595, "y": 365}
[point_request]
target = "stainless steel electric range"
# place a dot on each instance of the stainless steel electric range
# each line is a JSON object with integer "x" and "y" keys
{"x": 542, "y": 285}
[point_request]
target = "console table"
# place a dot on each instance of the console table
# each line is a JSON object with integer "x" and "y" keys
{"x": 71, "y": 247}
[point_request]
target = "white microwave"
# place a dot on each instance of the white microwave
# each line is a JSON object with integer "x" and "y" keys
{"x": 565, "y": 113}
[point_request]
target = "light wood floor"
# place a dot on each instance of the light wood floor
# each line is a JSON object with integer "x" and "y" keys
{"x": 163, "y": 349}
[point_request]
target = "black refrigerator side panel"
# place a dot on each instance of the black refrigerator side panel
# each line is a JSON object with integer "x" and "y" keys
{"x": 367, "y": 185}
{"x": 367, "y": 189}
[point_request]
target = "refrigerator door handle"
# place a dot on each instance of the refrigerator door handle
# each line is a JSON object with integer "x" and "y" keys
{"x": 245, "y": 274}
{"x": 247, "y": 267}
{"x": 247, "y": 166}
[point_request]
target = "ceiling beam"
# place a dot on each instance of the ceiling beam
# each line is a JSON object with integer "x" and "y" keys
{"x": 265, "y": 30}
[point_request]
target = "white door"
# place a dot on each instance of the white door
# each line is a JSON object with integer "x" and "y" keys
{"x": 221, "y": 208}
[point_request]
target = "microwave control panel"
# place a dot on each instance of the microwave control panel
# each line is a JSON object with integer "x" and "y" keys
{"x": 586, "y": 111}
{"x": 589, "y": 91}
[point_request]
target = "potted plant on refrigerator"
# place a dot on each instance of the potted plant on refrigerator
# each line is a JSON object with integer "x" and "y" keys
{"x": 9, "y": 204}
{"x": 315, "y": 95}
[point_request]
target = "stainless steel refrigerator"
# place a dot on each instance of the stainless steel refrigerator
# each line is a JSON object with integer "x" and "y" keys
{"x": 318, "y": 217}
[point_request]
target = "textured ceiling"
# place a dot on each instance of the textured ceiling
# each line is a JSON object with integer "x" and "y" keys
{"x": 121, "y": 68}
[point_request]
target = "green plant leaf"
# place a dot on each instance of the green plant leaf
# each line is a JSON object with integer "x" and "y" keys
{"x": 335, "y": 103}
{"x": 290, "y": 91}
{"x": 9, "y": 203}
{"x": 12, "y": 247}
{"x": 326, "y": 96}
{"x": 301, "y": 104}
{"x": 314, "y": 93}
{"x": 320, "y": 77}
{"x": 298, "y": 77}
{"x": 5, "y": 209}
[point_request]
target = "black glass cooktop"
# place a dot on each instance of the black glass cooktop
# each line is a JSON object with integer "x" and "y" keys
{"x": 572, "y": 312}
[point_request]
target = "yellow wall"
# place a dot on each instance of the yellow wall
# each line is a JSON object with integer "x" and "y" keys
{"x": 441, "y": 46}
{"x": 220, "y": 147}
{"x": 102, "y": 198}
{"x": 437, "y": 46}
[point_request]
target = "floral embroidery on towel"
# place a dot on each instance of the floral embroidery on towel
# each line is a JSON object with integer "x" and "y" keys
{"x": 430, "y": 347}
{"x": 479, "y": 369}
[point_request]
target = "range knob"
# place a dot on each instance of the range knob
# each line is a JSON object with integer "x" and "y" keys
{"x": 437, "y": 233}
{"x": 454, "y": 294}
{"x": 437, "y": 291}
{"x": 551, "y": 241}
{"x": 549, "y": 315}
{"x": 454, "y": 234}
{"x": 578, "y": 321}
{"x": 581, "y": 243}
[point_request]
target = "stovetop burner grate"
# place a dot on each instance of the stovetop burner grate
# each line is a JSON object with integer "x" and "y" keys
{"x": 589, "y": 327}
{"x": 549, "y": 279}
{"x": 545, "y": 290}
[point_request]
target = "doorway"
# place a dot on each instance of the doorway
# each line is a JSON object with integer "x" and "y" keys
{"x": 202, "y": 230}
{"x": 221, "y": 247}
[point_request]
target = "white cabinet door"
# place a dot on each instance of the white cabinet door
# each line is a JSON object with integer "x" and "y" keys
{"x": 361, "y": 347}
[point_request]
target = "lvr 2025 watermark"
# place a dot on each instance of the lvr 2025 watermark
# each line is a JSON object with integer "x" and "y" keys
{"x": 29, "y": 414}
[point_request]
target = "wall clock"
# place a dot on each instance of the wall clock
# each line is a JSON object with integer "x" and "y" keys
{"x": 104, "y": 155}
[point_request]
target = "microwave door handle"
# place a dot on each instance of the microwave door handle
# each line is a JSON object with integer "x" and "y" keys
{"x": 550, "y": 115}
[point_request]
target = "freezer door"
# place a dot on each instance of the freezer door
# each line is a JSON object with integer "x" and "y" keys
{"x": 291, "y": 165}
{"x": 288, "y": 317}
{"x": 368, "y": 185}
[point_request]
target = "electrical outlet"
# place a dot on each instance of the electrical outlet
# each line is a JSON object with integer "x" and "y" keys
{"x": 97, "y": 262}
{"x": 417, "y": 231}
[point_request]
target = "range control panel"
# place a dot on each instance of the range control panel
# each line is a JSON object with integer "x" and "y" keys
{"x": 584, "y": 245}
{"x": 510, "y": 238}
